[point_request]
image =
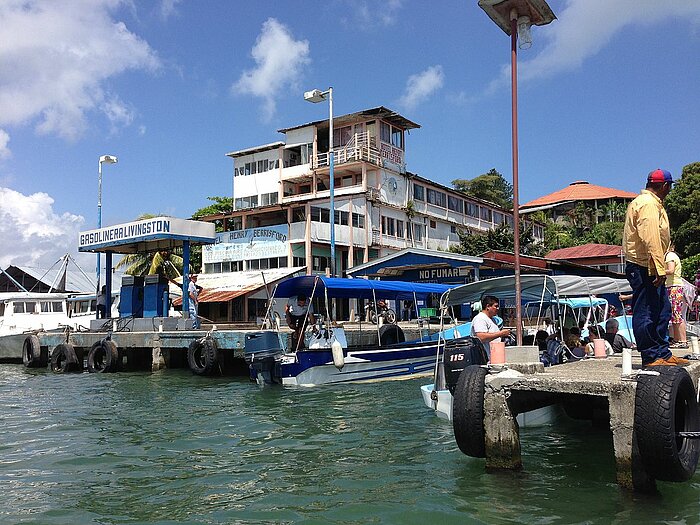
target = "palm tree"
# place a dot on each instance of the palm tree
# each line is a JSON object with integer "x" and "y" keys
{"x": 162, "y": 262}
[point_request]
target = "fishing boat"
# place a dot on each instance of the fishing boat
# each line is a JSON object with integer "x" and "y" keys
{"x": 551, "y": 296}
{"x": 326, "y": 357}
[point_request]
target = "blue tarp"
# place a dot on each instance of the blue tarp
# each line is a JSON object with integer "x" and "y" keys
{"x": 356, "y": 288}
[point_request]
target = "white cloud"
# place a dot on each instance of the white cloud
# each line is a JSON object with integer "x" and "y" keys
{"x": 371, "y": 15}
{"x": 32, "y": 233}
{"x": 168, "y": 8}
{"x": 57, "y": 57}
{"x": 280, "y": 61}
{"x": 584, "y": 27}
{"x": 4, "y": 149}
{"x": 421, "y": 85}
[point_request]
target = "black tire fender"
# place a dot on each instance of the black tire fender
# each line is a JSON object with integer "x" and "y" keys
{"x": 391, "y": 334}
{"x": 103, "y": 357}
{"x": 65, "y": 360}
{"x": 666, "y": 404}
{"x": 31, "y": 352}
{"x": 468, "y": 412}
{"x": 203, "y": 357}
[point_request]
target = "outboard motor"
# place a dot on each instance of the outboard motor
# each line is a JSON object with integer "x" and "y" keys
{"x": 459, "y": 354}
{"x": 261, "y": 351}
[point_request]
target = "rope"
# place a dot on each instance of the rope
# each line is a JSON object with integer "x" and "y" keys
{"x": 688, "y": 435}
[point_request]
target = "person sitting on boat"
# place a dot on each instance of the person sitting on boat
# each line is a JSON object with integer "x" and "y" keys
{"x": 483, "y": 326}
{"x": 298, "y": 313}
{"x": 617, "y": 341}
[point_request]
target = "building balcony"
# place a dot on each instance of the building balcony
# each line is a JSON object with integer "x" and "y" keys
{"x": 361, "y": 148}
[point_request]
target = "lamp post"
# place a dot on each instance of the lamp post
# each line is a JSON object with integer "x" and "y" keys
{"x": 104, "y": 159}
{"x": 515, "y": 17}
{"x": 316, "y": 96}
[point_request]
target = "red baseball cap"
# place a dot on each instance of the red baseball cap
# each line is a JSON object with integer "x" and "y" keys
{"x": 659, "y": 175}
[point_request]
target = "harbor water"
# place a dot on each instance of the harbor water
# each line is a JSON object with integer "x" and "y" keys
{"x": 170, "y": 447}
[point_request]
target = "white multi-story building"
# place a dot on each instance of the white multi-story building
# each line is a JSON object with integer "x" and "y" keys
{"x": 281, "y": 215}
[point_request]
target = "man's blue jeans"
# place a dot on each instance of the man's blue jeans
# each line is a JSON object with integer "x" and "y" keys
{"x": 651, "y": 313}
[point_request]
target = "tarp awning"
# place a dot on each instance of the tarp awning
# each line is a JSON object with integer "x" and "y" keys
{"x": 536, "y": 288}
{"x": 356, "y": 288}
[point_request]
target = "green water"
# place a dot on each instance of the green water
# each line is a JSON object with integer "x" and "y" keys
{"x": 173, "y": 448}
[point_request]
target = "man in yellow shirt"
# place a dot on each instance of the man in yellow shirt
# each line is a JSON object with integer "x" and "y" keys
{"x": 645, "y": 241}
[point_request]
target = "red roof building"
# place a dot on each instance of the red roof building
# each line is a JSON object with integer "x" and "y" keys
{"x": 602, "y": 256}
{"x": 560, "y": 202}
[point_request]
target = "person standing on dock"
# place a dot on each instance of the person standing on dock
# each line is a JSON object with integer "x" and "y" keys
{"x": 674, "y": 286}
{"x": 645, "y": 241}
{"x": 483, "y": 325}
{"x": 193, "y": 292}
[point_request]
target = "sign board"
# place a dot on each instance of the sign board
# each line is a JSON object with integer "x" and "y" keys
{"x": 154, "y": 229}
{"x": 248, "y": 244}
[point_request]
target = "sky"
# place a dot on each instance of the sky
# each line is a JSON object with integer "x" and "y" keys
{"x": 607, "y": 92}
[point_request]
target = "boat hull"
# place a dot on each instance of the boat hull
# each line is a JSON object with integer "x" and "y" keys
{"x": 315, "y": 367}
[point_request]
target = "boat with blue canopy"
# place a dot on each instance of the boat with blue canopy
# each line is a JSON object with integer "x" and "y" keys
{"x": 325, "y": 356}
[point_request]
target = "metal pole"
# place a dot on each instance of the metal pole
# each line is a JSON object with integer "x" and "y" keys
{"x": 99, "y": 222}
{"x": 332, "y": 176}
{"x": 516, "y": 212}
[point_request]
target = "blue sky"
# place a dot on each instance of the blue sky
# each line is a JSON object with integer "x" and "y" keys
{"x": 607, "y": 92}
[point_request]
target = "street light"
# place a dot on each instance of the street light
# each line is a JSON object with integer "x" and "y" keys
{"x": 104, "y": 159}
{"x": 316, "y": 96}
{"x": 515, "y": 17}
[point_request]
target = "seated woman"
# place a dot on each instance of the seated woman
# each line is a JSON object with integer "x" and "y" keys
{"x": 573, "y": 342}
{"x": 595, "y": 332}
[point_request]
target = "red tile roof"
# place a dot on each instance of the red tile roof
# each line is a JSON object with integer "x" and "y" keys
{"x": 586, "y": 251}
{"x": 580, "y": 190}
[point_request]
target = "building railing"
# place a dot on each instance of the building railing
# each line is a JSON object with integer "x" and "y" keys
{"x": 359, "y": 148}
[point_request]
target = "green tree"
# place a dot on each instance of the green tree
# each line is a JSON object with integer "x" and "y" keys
{"x": 491, "y": 187}
{"x": 221, "y": 205}
{"x": 499, "y": 238}
{"x": 605, "y": 233}
{"x": 683, "y": 207}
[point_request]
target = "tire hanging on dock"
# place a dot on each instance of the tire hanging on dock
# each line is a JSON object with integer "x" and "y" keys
{"x": 203, "y": 357}
{"x": 468, "y": 412}
{"x": 665, "y": 405}
{"x": 31, "y": 352}
{"x": 103, "y": 357}
{"x": 64, "y": 359}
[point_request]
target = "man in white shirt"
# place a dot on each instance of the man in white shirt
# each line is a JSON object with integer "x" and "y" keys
{"x": 193, "y": 304}
{"x": 483, "y": 325}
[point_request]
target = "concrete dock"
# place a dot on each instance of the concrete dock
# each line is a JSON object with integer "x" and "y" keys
{"x": 590, "y": 389}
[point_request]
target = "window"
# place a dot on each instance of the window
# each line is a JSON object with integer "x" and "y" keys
{"x": 399, "y": 229}
{"x": 267, "y": 199}
{"x": 299, "y": 261}
{"x": 341, "y": 217}
{"x": 418, "y": 192}
{"x": 397, "y": 137}
{"x": 321, "y": 263}
{"x": 389, "y": 226}
{"x": 498, "y": 217}
{"x": 455, "y": 204}
{"x": 433, "y": 224}
{"x": 299, "y": 214}
{"x": 358, "y": 220}
{"x": 341, "y": 136}
{"x": 262, "y": 165}
{"x": 453, "y": 229}
{"x": 486, "y": 214}
{"x": 246, "y": 202}
{"x": 418, "y": 232}
{"x": 437, "y": 198}
{"x": 51, "y": 306}
{"x": 385, "y": 133}
{"x": 472, "y": 210}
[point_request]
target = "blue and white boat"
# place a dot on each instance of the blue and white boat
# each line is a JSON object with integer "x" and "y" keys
{"x": 326, "y": 357}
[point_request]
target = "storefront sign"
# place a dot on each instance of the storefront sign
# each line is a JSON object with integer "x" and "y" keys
{"x": 251, "y": 243}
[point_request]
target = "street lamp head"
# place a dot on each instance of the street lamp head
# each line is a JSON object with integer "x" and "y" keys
{"x": 524, "y": 35}
{"x": 499, "y": 11}
{"x": 108, "y": 159}
{"x": 315, "y": 96}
